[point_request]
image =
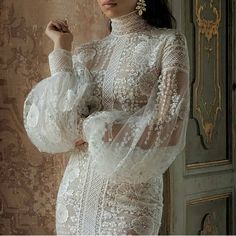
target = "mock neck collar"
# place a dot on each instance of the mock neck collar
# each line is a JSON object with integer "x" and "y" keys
{"x": 127, "y": 23}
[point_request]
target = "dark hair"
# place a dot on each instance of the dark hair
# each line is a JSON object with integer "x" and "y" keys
{"x": 158, "y": 14}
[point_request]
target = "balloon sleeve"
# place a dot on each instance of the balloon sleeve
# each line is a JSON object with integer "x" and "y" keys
{"x": 136, "y": 147}
{"x": 55, "y": 108}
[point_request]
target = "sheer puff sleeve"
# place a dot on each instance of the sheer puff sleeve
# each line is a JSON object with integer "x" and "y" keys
{"x": 134, "y": 148}
{"x": 55, "y": 108}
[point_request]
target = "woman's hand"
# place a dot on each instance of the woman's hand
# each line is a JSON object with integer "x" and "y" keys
{"x": 58, "y": 31}
{"x": 79, "y": 142}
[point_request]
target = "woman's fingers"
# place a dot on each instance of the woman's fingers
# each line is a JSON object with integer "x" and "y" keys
{"x": 60, "y": 25}
{"x": 56, "y": 28}
{"x": 79, "y": 142}
{"x": 62, "y": 22}
{"x": 57, "y": 25}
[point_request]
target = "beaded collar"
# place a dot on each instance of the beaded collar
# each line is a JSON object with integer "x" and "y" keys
{"x": 128, "y": 23}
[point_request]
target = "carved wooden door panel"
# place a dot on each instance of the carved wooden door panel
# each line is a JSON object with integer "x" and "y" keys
{"x": 203, "y": 178}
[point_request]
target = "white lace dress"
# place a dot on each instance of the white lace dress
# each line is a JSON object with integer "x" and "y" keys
{"x": 127, "y": 95}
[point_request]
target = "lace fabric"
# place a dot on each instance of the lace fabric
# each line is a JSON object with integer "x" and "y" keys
{"x": 145, "y": 139}
{"x": 127, "y": 95}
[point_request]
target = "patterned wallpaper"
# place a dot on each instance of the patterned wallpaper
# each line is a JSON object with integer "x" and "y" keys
{"x": 30, "y": 179}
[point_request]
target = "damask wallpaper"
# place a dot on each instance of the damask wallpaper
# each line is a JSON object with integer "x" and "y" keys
{"x": 30, "y": 179}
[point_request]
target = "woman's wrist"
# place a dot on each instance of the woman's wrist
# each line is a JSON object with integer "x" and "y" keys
{"x": 66, "y": 46}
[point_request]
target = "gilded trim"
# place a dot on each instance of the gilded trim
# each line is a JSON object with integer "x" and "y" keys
{"x": 209, "y": 198}
{"x": 208, "y": 164}
{"x": 205, "y": 111}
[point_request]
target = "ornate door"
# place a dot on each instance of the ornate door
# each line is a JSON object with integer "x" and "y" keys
{"x": 203, "y": 178}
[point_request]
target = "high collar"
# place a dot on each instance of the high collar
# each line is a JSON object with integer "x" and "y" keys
{"x": 127, "y": 23}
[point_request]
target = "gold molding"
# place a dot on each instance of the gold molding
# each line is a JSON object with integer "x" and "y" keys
{"x": 209, "y": 198}
{"x": 208, "y": 164}
{"x": 207, "y": 112}
{"x": 208, "y": 27}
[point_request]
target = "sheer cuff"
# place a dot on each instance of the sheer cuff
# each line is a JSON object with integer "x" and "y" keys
{"x": 60, "y": 60}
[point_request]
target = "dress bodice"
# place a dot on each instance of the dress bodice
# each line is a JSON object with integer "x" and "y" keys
{"x": 131, "y": 76}
{"x": 126, "y": 64}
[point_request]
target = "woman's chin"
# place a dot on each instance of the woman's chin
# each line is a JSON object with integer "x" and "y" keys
{"x": 113, "y": 14}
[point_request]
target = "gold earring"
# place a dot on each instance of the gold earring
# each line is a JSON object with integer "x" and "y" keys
{"x": 141, "y": 6}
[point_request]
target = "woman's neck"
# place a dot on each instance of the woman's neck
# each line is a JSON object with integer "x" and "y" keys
{"x": 127, "y": 23}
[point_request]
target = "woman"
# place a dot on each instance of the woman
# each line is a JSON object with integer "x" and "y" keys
{"x": 119, "y": 107}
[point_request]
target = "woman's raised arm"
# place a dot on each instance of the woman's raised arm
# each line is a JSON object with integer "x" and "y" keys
{"x": 55, "y": 107}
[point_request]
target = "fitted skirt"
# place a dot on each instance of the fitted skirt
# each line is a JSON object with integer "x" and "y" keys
{"x": 90, "y": 205}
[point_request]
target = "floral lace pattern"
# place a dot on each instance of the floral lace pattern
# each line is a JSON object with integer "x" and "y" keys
{"x": 135, "y": 79}
{"x": 135, "y": 209}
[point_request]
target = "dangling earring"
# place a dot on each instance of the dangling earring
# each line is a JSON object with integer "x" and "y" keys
{"x": 141, "y": 6}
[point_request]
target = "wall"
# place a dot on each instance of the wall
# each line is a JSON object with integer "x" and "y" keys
{"x": 30, "y": 179}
